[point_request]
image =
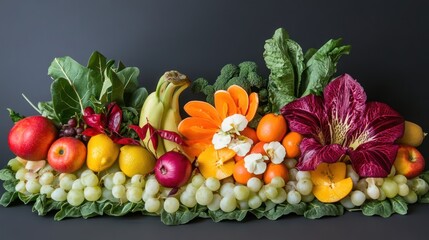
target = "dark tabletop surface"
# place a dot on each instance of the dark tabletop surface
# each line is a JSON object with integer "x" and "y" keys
{"x": 389, "y": 58}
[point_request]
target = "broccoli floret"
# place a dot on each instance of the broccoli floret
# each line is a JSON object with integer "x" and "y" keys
{"x": 240, "y": 81}
{"x": 263, "y": 95}
{"x": 199, "y": 85}
{"x": 246, "y": 68}
{"x": 226, "y": 73}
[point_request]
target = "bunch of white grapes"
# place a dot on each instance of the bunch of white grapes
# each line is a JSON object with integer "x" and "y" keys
{"x": 381, "y": 188}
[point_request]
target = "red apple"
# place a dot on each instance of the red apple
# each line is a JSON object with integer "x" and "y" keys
{"x": 31, "y": 137}
{"x": 67, "y": 155}
{"x": 409, "y": 161}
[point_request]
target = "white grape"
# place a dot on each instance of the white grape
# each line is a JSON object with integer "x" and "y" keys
{"x": 304, "y": 186}
{"x": 203, "y": 195}
{"x": 351, "y": 173}
{"x": 362, "y": 185}
{"x": 241, "y": 192}
{"x": 86, "y": 172}
{"x": 382, "y": 195}
{"x": 90, "y": 180}
{"x": 254, "y": 184}
{"x": 59, "y": 195}
{"x": 420, "y": 186}
{"x": 46, "y": 178}
{"x": 290, "y": 163}
{"x": 228, "y": 203}
{"x": 227, "y": 189}
{"x": 400, "y": 179}
{"x": 66, "y": 183}
{"x": 152, "y": 205}
{"x": 293, "y": 197}
{"x": 300, "y": 175}
{"x": 403, "y": 189}
{"x": 229, "y": 179}
{"x": 46, "y": 168}
{"x": 47, "y": 190}
{"x": 214, "y": 205}
{"x": 347, "y": 202}
{"x": 307, "y": 198}
{"x": 188, "y": 199}
{"x": 146, "y": 196}
{"x": 119, "y": 191}
{"x": 108, "y": 181}
{"x": 191, "y": 189}
{"x": 20, "y": 174}
{"x": 152, "y": 186}
{"x": 411, "y": 197}
{"x": 32, "y": 186}
{"x": 77, "y": 184}
{"x": 357, "y": 197}
{"x": 75, "y": 197}
{"x": 271, "y": 191}
{"x": 254, "y": 201}
{"x": 373, "y": 192}
{"x": 31, "y": 176}
{"x": 92, "y": 193}
{"x": 390, "y": 188}
{"x": 292, "y": 174}
{"x": 197, "y": 180}
{"x": 278, "y": 182}
{"x": 262, "y": 195}
{"x": 281, "y": 196}
{"x": 212, "y": 183}
{"x": 15, "y": 165}
{"x": 171, "y": 204}
{"x": 20, "y": 186}
{"x": 106, "y": 194}
{"x": 134, "y": 194}
{"x": 138, "y": 180}
{"x": 291, "y": 185}
{"x": 119, "y": 178}
{"x": 243, "y": 205}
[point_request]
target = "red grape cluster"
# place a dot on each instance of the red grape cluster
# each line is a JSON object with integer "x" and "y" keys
{"x": 73, "y": 128}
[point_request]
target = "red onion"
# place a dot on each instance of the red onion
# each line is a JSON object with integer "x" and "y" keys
{"x": 173, "y": 169}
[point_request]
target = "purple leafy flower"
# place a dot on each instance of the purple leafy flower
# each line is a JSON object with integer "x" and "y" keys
{"x": 342, "y": 126}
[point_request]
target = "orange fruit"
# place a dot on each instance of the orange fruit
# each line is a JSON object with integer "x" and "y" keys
{"x": 241, "y": 175}
{"x": 216, "y": 163}
{"x": 275, "y": 170}
{"x": 250, "y": 133}
{"x": 291, "y": 143}
{"x": 271, "y": 127}
{"x": 330, "y": 184}
{"x": 256, "y": 148}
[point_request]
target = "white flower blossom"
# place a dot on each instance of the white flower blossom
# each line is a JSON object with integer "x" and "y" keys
{"x": 221, "y": 140}
{"x": 234, "y": 124}
{"x": 255, "y": 163}
{"x": 241, "y": 145}
{"x": 275, "y": 151}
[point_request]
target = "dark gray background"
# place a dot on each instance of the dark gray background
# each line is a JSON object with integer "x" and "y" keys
{"x": 389, "y": 58}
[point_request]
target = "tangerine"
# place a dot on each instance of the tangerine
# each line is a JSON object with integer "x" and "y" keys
{"x": 291, "y": 142}
{"x": 276, "y": 170}
{"x": 241, "y": 175}
{"x": 272, "y": 127}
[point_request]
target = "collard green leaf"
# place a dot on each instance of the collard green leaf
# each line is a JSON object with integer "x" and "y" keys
{"x": 424, "y": 198}
{"x": 90, "y": 209}
{"x": 47, "y": 110}
{"x": 67, "y": 211}
{"x": 83, "y": 83}
{"x": 97, "y": 62}
{"x": 284, "y": 209}
{"x": 425, "y": 176}
{"x": 321, "y": 66}
{"x": 129, "y": 78}
{"x": 14, "y": 116}
{"x": 9, "y": 185}
{"x": 66, "y": 101}
{"x": 27, "y": 198}
{"x": 281, "y": 84}
{"x": 317, "y": 209}
{"x": 112, "y": 89}
{"x": 137, "y": 98}
{"x": 399, "y": 205}
{"x": 182, "y": 216}
{"x": 297, "y": 60}
{"x": 219, "y": 215}
{"x": 380, "y": 208}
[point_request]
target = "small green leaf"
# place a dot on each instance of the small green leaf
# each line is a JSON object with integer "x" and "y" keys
{"x": 67, "y": 211}
{"x": 399, "y": 205}
{"x": 14, "y": 116}
{"x": 425, "y": 176}
{"x": 47, "y": 110}
{"x": 220, "y": 215}
{"x": 317, "y": 209}
{"x": 129, "y": 79}
{"x": 112, "y": 89}
{"x": 27, "y": 198}
{"x": 7, "y": 174}
{"x": 137, "y": 98}
{"x": 7, "y": 198}
{"x": 424, "y": 198}
{"x": 10, "y": 185}
{"x": 380, "y": 208}
{"x": 97, "y": 62}
{"x": 90, "y": 209}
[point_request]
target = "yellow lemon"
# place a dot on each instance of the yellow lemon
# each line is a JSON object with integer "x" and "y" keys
{"x": 102, "y": 153}
{"x": 136, "y": 160}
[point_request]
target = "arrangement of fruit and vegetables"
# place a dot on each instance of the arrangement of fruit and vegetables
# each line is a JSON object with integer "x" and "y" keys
{"x": 303, "y": 140}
